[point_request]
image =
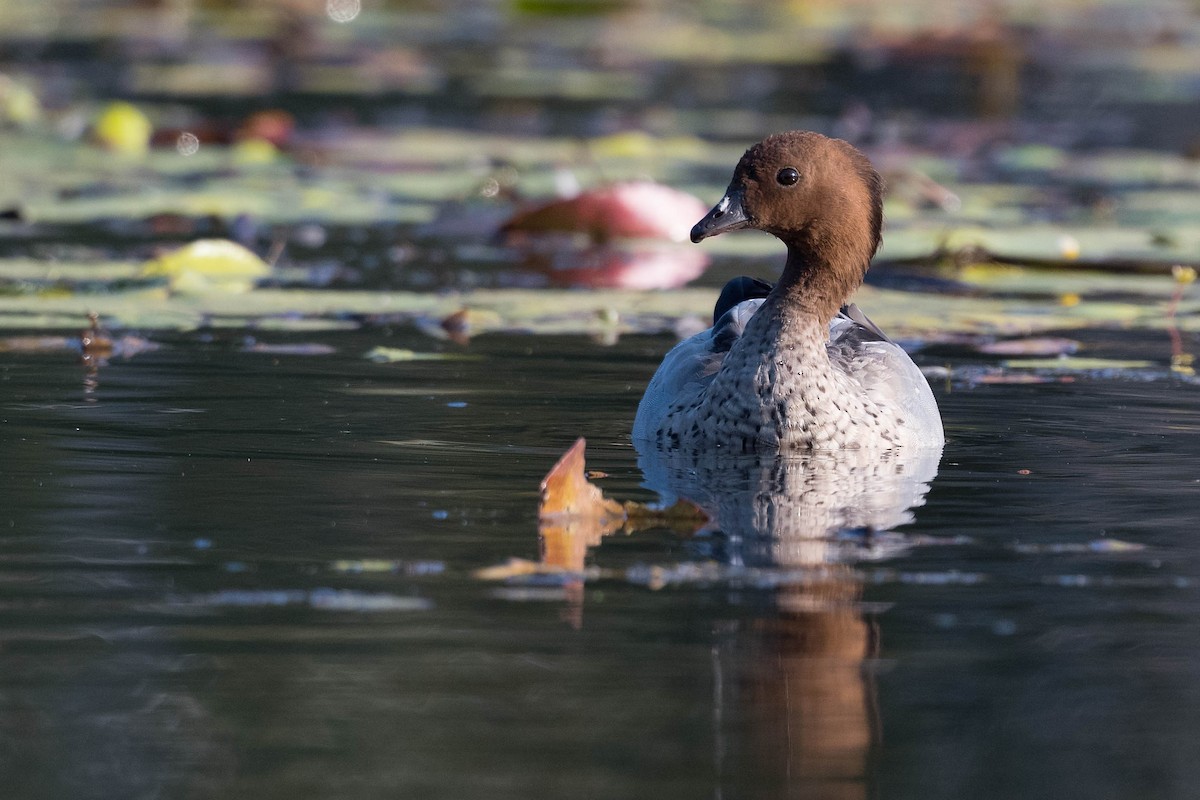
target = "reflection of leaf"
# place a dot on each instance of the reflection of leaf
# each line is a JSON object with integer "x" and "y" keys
{"x": 19, "y": 104}
{"x": 647, "y": 266}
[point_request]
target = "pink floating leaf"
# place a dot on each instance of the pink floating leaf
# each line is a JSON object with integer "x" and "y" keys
{"x": 631, "y": 210}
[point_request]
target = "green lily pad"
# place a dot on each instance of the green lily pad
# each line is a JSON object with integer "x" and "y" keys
{"x": 1076, "y": 364}
{"x": 392, "y": 355}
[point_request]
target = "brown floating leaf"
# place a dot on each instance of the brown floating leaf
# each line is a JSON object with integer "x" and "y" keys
{"x": 573, "y": 514}
{"x": 567, "y": 492}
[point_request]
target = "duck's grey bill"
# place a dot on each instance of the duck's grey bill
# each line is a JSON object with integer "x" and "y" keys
{"x": 727, "y": 215}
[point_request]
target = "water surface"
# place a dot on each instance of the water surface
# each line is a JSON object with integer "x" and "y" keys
{"x": 230, "y": 573}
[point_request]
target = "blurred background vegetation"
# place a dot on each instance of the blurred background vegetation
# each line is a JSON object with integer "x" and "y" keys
{"x": 1072, "y": 72}
{"x": 381, "y": 143}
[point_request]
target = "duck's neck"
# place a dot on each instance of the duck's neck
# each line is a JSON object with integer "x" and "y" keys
{"x": 816, "y": 283}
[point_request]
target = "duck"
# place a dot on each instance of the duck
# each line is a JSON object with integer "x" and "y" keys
{"x": 792, "y": 365}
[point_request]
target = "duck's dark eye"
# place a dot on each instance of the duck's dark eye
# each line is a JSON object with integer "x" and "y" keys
{"x": 787, "y": 176}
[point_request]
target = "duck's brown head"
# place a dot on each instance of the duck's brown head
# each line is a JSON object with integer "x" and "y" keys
{"x": 818, "y": 195}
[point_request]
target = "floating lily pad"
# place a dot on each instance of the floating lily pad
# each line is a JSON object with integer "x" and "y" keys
{"x": 206, "y": 266}
{"x": 1076, "y": 364}
{"x": 392, "y": 355}
{"x": 1032, "y": 346}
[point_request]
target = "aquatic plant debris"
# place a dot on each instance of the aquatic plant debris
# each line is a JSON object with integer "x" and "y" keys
{"x": 912, "y": 316}
{"x": 1030, "y": 346}
{"x": 1105, "y": 545}
{"x": 297, "y": 349}
{"x": 1016, "y": 207}
{"x": 710, "y": 574}
{"x": 320, "y": 599}
{"x": 381, "y": 565}
{"x": 574, "y": 515}
{"x": 1076, "y": 364}
{"x": 393, "y": 355}
{"x": 567, "y": 493}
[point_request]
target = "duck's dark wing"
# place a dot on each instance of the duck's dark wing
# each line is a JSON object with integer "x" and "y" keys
{"x": 738, "y": 301}
{"x": 738, "y": 290}
{"x": 743, "y": 288}
{"x": 870, "y": 331}
{"x": 692, "y": 363}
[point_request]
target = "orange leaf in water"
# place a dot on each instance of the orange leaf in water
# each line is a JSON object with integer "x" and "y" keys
{"x": 567, "y": 491}
{"x": 573, "y": 514}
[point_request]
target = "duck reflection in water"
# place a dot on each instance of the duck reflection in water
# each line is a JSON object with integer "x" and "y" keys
{"x": 794, "y": 674}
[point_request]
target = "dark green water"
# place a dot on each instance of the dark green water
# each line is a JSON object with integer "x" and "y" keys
{"x": 176, "y": 620}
